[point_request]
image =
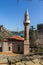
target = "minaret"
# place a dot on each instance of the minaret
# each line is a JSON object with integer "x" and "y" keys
{"x": 26, "y": 33}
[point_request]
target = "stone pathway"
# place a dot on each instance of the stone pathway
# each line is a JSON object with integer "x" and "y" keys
{"x": 21, "y": 60}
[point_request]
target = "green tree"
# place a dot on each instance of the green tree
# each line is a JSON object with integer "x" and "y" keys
{"x": 32, "y": 38}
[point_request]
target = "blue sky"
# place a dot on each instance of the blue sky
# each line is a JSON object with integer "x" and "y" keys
{"x": 12, "y": 13}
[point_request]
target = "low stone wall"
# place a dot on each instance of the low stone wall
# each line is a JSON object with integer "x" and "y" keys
{"x": 21, "y": 60}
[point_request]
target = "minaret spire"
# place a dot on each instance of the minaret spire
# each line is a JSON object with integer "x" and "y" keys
{"x": 26, "y": 18}
{"x": 26, "y": 32}
{"x": 26, "y": 25}
{"x": 26, "y": 12}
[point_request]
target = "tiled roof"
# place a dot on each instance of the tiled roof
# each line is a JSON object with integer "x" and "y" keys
{"x": 17, "y": 38}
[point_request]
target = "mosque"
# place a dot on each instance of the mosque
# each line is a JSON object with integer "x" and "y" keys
{"x": 16, "y": 43}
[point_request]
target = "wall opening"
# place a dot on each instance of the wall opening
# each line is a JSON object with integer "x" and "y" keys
{"x": 9, "y": 48}
{"x": 0, "y": 49}
{"x": 18, "y": 48}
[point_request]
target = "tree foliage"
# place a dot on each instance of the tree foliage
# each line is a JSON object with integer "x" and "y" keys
{"x": 32, "y": 38}
{"x": 1, "y": 38}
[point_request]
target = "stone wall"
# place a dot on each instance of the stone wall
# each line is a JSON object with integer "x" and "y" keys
{"x": 5, "y": 46}
{"x": 18, "y": 46}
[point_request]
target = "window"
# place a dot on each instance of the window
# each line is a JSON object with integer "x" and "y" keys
{"x": 9, "y": 48}
{"x": 0, "y": 49}
{"x": 18, "y": 48}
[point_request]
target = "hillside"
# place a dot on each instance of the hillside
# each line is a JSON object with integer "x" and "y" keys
{"x": 4, "y": 33}
{"x": 20, "y": 33}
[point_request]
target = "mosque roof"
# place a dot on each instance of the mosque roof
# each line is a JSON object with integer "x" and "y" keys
{"x": 17, "y": 38}
{"x": 13, "y": 38}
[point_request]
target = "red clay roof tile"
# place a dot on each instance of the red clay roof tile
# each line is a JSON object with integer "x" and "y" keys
{"x": 17, "y": 37}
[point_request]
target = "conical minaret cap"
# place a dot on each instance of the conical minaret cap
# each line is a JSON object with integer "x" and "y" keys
{"x": 26, "y": 19}
{"x": 26, "y": 12}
